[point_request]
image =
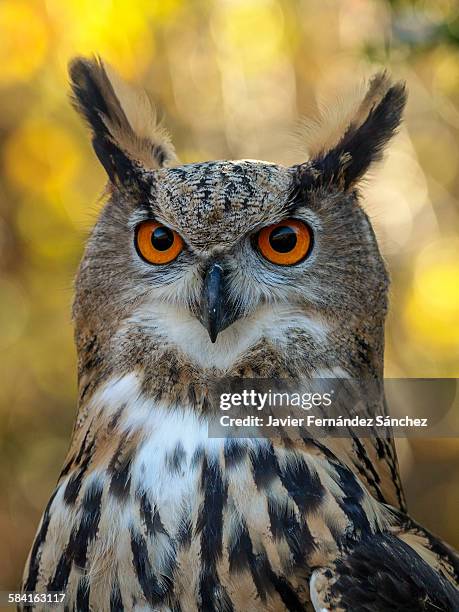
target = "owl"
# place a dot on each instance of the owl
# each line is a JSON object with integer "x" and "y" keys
{"x": 239, "y": 269}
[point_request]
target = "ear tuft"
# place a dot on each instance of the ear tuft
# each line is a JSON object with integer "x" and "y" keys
{"x": 121, "y": 118}
{"x": 344, "y": 159}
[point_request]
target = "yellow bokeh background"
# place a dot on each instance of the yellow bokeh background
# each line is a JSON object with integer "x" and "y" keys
{"x": 231, "y": 79}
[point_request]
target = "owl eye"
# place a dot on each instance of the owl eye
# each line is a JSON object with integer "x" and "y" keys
{"x": 285, "y": 243}
{"x": 156, "y": 243}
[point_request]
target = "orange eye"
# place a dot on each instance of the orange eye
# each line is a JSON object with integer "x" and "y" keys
{"x": 285, "y": 243}
{"x": 156, "y": 243}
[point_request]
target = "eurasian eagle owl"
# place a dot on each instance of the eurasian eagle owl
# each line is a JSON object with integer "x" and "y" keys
{"x": 241, "y": 269}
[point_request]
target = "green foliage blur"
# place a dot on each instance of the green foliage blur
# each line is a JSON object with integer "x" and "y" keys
{"x": 231, "y": 79}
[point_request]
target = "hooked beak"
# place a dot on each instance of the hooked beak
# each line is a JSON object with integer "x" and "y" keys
{"x": 214, "y": 313}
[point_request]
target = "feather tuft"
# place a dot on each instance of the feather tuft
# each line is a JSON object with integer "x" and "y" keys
{"x": 119, "y": 115}
{"x": 347, "y": 113}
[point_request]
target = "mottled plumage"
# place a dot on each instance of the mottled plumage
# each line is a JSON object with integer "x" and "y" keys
{"x": 149, "y": 512}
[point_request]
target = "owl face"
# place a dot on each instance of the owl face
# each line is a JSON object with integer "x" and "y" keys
{"x": 208, "y": 251}
{"x": 250, "y": 241}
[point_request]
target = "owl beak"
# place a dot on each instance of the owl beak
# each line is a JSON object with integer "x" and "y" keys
{"x": 213, "y": 313}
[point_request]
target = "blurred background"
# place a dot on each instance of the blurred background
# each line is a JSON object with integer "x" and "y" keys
{"x": 231, "y": 79}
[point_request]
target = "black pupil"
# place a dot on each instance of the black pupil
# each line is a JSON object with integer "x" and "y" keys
{"x": 283, "y": 239}
{"x": 162, "y": 238}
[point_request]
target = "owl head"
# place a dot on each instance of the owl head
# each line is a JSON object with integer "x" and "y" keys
{"x": 218, "y": 261}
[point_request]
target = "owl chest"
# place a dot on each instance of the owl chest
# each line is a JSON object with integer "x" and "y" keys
{"x": 208, "y": 523}
{"x": 173, "y": 519}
